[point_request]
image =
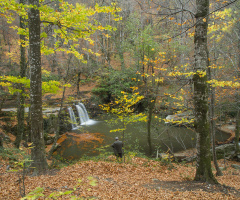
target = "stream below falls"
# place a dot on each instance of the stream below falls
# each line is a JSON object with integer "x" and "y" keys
{"x": 96, "y": 138}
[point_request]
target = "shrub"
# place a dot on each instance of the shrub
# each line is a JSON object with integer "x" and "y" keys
{"x": 112, "y": 83}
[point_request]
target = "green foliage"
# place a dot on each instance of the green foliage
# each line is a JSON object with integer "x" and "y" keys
{"x": 50, "y": 77}
{"x": 84, "y": 81}
{"x": 12, "y": 72}
{"x": 140, "y": 43}
{"x": 35, "y": 194}
{"x": 59, "y": 162}
{"x": 129, "y": 156}
{"x": 146, "y": 44}
{"x": 92, "y": 181}
{"x": 13, "y": 154}
{"x": 51, "y": 87}
{"x": 12, "y": 84}
{"x": 39, "y": 192}
{"x": 104, "y": 153}
{"x": 166, "y": 160}
{"x": 229, "y": 109}
{"x": 112, "y": 83}
{"x": 71, "y": 23}
{"x": 123, "y": 108}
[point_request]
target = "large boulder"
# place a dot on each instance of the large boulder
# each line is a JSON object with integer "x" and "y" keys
{"x": 181, "y": 119}
{"x": 50, "y": 123}
{"x": 235, "y": 166}
{"x": 64, "y": 122}
{"x": 225, "y": 150}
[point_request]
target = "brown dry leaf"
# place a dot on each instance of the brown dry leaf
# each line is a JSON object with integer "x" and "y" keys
{"x": 137, "y": 180}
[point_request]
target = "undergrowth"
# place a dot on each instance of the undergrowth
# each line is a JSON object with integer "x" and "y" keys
{"x": 13, "y": 155}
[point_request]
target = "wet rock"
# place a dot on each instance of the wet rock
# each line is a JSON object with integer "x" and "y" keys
{"x": 235, "y": 166}
{"x": 6, "y": 138}
{"x": 225, "y": 150}
{"x": 173, "y": 119}
{"x": 222, "y": 168}
{"x": 48, "y": 139}
{"x": 155, "y": 180}
{"x": 49, "y": 142}
{"x": 64, "y": 122}
{"x": 188, "y": 155}
{"x": 50, "y": 123}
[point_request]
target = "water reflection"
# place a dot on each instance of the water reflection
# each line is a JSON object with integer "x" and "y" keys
{"x": 98, "y": 134}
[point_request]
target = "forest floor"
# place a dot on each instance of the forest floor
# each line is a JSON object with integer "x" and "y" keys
{"x": 137, "y": 179}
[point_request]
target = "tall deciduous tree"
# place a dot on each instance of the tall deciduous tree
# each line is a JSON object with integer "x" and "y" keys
{"x": 204, "y": 170}
{"x": 237, "y": 149}
{"x": 38, "y": 154}
{"x": 21, "y": 97}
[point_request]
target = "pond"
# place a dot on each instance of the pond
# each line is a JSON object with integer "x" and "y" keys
{"x": 89, "y": 138}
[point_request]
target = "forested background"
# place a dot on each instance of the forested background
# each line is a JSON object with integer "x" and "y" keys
{"x": 152, "y": 47}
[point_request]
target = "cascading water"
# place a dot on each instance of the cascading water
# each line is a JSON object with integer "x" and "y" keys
{"x": 73, "y": 118}
{"x": 82, "y": 114}
{"x": 84, "y": 110}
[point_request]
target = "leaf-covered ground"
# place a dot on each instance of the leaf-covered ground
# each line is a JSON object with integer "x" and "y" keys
{"x": 138, "y": 179}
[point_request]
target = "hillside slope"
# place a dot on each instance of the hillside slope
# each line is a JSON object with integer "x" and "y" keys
{"x": 139, "y": 179}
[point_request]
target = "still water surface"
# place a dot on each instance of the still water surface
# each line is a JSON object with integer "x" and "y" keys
{"x": 99, "y": 135}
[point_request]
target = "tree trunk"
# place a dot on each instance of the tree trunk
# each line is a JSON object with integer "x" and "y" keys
{"x": 149, "y": 122}
{"x": 237, "y": 151}
{"x": 212, "y": 125}
{"x": 204, "y": 170}
{"x": 237, "y": 133}
{"x": 53, "y": 148}
{"x": 78, "y": 83}
{"x": 4, "y": 98}
{"x": 38, "y": 155}
{"x": 21, "y": 97}
{"x": 1, "y": 142}
{"x": 121, "y": 56}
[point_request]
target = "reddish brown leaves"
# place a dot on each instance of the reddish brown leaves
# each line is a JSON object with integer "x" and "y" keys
{"x": 140, "y": 179}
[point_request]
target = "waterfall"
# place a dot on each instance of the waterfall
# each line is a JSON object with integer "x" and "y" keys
{"x": 82, "y": 114}
{"x": 73, "y": 118}
{"x": 84, "y": 110}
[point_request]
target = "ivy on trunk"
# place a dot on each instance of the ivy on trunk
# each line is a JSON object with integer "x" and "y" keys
{"x": 204, "y": 170}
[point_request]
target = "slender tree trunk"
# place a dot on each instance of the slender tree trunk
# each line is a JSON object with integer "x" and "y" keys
{"x": 237, "y": 133}
{"x": 21, "y": 97}
{"x": 119, "y": 47}
{"x": 211, "y": 75}
{"x": 1, "y": 142}
{"x": 28, "y": 137}
{"x": 121, "y": 56}
{"x": 78, "y": 83}
{"x": 38, "y": 155}
{"x": 204, "y": 170}
{"x": 212, "y": 126}
{"x": 237, "y": 150}
{"x": 58, "y": 130}
{"x": 60, "y": 112}
{"x": 4, "y": 98}
{"x": 149, "y": 122}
